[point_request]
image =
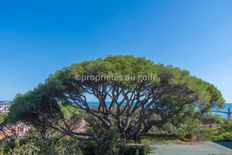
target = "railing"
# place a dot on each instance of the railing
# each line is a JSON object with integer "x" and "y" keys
{"x": 228, "y": 113}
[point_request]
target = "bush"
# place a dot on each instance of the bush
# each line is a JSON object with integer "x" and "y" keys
{"x": 108, "y": 142}
{"x": 39, "y": 146}
{"x": 227, "y": 136}
{"x": 224, "y": 133}
{"x": 190, "y": 130}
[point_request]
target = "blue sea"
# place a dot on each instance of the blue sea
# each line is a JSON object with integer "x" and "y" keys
{"x": 225, "y": 109}
{"x": 223, "y": 115}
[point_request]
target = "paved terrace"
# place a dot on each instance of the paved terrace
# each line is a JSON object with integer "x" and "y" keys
{"x": 206, "y": 148}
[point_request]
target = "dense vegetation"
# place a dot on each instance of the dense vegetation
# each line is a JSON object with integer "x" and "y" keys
{"x": 135, "y": 96}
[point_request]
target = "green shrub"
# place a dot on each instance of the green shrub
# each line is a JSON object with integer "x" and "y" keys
{"x": 108, "y": 142}
{"x": 190, "y": 130}
{"x": 227, "y": 136}
{"x": 39, "y": 146}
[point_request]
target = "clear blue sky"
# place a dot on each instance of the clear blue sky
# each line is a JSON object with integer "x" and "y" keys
{"x": 39, "y": 37}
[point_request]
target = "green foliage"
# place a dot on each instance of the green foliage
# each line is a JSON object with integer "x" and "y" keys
{"x": 224, "y": 133}
{"x": 32, "y": 106}
{"x": 68, "y": 111}
{"x": 109, "y": 142}
{"x": 168, "y": 129}
{"x": 122, "y": 66}
{"x": 227, "y": 126}
{"x": 42, "y": 112}
{"x": 180, "y": 101}
{"x": 3, "y": 117}
{"x": 171, "y": 95}
{"x": 190, "y": 130}
{"x": 34, "y": 145}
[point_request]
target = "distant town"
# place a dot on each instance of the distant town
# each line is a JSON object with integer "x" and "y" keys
{"x": 4, "y": 106}
{"x": 14, "y": 130}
